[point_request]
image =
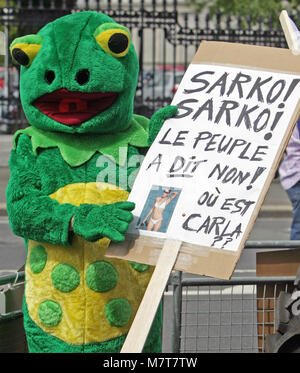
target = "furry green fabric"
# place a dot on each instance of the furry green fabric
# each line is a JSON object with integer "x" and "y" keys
{"x": 71, "y": 71}
{"x": 113, "y": 221}
{"x": 31, "y": 39}
{"x": 41, "y": 342}
{"x": 65, "y": 277}
{"x": 158, "y": 119}
{"x": 68, "y": 47}
{"x": 77, "y": 149}
{"x": 101, "y": 276}
{"x": 37, "y": 259}
{"x": 32, "y": 213}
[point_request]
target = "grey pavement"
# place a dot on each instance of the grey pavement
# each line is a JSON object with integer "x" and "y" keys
{"x": 5, "y": 148}
{"x": 276, "y": 203}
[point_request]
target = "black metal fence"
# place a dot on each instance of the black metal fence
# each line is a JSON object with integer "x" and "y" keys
{"x": 165, "y": 34}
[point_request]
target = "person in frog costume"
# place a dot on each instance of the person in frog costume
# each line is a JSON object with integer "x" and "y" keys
{"x": 77, "y": 86}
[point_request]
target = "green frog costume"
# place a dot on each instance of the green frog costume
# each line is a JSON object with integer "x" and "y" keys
{"x": 77, "y": 86}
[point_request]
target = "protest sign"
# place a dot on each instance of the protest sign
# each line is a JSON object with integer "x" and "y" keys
{"x": 210, "y": 167}
{"x": 202, "y": 182}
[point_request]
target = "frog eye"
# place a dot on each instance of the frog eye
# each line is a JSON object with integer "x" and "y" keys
{"x": 24, "y": 49}
{"x": 113, "y": 38}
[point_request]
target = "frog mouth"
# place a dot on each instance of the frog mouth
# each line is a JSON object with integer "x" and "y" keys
{"x": 73, "y": 108}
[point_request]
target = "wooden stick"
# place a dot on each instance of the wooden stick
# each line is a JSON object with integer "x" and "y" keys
{"x": 144, "y": 317}
{"x": 288, "y": 32}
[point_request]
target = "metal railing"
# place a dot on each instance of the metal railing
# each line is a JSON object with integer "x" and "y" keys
{"x": 236, "y": 315}
{"x": 12, "y": 279}
{"x": 12, "y": 334}
{"x": 226, "y": 316}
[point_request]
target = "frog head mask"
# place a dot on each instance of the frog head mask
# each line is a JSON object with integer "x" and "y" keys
{"x": 78, "y": 75}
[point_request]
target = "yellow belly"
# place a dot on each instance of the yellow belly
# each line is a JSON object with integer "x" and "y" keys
{"x": 76, "y": 293}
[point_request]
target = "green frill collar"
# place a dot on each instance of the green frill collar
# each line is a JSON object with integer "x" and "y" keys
{"x": 76, "y": 149}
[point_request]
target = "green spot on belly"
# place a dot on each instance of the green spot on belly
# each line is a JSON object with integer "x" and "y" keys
{"x": 50, "y": 313}
{"x": 65, "y": 277}
{"x": 101, "y": 276}
{"x": 37, "y": 258}
{"x": 118, "y": 312}
{"x": 139, "y": 266}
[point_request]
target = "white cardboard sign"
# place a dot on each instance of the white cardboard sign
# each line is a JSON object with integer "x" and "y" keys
{"x": 215, "y": 154}
{"x": 204, "y": 178}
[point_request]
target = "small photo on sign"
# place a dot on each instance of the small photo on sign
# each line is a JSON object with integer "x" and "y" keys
{"x": 158, "y": 209}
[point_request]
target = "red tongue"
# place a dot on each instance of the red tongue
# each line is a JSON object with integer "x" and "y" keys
{"x": 74, "y": 108}
{"x": 73, "y": 105}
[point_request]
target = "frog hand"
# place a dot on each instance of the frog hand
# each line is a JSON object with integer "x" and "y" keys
{"x": 158, "y": 119}
{"x": 93, "y": 222}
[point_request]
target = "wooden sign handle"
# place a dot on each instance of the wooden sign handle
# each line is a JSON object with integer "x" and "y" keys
{"x": 288, "y": 32}
{"x": 144, "y": 317}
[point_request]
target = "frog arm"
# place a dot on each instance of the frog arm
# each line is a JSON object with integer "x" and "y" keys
{"x": 32, "y": 213}
{"x": 158, "y": 119}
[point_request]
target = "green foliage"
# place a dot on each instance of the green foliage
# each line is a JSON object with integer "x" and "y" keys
{"x": 254, "y": 8}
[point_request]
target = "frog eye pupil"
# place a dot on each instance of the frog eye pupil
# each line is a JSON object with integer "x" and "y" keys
{"x": 20, "y": 56}
{"x": 49, "y": 76}
{"x": 118, "y": 43}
